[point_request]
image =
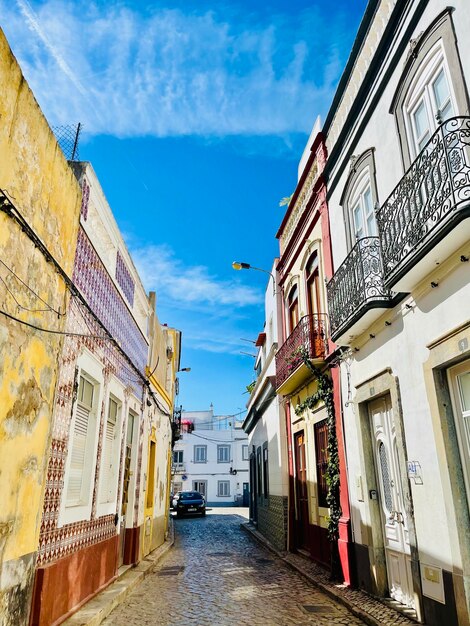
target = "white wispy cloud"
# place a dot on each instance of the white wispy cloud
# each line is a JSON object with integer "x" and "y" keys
{"x": 170, "y": 73}
{"x": 211, "y": 311}
{"x": 188, "y": 286}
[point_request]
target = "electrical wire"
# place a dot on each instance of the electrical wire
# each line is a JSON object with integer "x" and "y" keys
{"x": 7, "y": 206}
{"x": 49, "y": 330}
{"x": 19, "y": 305}
{"x": 49, "y": 307}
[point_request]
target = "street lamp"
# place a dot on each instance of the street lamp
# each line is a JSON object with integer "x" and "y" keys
{"x": 185, "y": 369}
{"x": 238, "y": 265}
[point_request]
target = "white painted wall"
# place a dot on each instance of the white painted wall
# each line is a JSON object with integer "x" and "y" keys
{"x": 403, "y": 345}
{"x": 212, "y": 471}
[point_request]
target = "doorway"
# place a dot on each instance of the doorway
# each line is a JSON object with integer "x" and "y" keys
{"x": 201, "y": 486}
{"x": 253, "y": 492}
{"x": 392, "y": 505}
{"x": 301, "y": 492}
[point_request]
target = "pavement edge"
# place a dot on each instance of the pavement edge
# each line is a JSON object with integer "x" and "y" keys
{"x": 94, "y": 612}
{"x": 333, "y": 593}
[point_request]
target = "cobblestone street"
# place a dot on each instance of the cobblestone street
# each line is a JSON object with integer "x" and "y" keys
{"x": 217, "y": 575}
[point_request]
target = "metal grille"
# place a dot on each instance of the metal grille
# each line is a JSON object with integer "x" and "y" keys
{"x": 67, "y": 138}
{"x": 385, "y": 477}
{"x": 428, "y": 196}
{"x": 358, "y": 282}
{"x": 309, "y": 337}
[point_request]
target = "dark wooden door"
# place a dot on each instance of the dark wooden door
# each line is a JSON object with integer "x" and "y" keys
{"x": 301, "y": 493}
{"x": 246, "y": 494}
{"x": 253, "y": 490}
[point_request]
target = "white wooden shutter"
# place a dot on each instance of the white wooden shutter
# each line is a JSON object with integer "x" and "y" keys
{"x": 107, "y": 469}
{"x": 80, "y": 431}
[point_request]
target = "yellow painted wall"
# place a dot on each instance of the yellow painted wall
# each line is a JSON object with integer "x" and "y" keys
{"x": 42, "y": 186}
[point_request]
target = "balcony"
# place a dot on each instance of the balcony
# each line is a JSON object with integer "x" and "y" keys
{"x": 308, "y": 337}
{"x": 418, "y": 222}
{"x": 356, "y": 293}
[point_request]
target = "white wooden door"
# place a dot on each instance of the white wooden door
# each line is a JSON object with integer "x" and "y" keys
{"x": 394, "y": 521}
{"x": 460, "y": 386}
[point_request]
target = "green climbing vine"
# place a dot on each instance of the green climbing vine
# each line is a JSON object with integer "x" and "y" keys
{"x": 324, "y": 394}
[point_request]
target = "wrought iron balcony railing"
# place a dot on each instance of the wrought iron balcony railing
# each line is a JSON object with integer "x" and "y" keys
{"x": 356, "y": 286}
{"x": 434, "y": 191}
{"x": 309, "y": 337}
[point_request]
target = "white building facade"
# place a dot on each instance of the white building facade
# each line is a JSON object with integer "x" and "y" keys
{"x": 265, "y": 425}
{"x": 212, "y": 457}
{"x": 398, "y": 179}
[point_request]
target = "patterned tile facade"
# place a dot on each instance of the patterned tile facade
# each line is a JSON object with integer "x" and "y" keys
{"x": 105, "y": 301}
{"x": 94, "y": 282}
{"x": 124, "y": 278}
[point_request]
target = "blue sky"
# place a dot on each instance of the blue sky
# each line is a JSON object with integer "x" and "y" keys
{"x": 195, "y": 116}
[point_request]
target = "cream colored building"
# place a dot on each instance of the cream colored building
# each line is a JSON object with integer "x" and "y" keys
{"x": 398, "y": 180}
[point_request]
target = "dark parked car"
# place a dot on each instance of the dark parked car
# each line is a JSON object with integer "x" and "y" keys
{"x": 189, "y": 502}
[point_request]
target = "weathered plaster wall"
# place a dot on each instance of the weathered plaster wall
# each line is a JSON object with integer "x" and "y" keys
{"x": 37, "y": 177}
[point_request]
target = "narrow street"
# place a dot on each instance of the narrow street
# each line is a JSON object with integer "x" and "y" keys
{"x": 216, "y": 575}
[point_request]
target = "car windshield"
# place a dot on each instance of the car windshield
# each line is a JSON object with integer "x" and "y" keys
{"x": 190, "y": 495}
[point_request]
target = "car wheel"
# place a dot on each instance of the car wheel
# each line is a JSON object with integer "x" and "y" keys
{"x": 203, "y": 514}
{"x": 179, "y": 514}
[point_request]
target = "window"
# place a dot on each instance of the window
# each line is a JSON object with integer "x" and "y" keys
{"x": 265, "y": 471}
{"x": 431, "y": 84}
{"x": 245, "y": 454}
{"x": 223, "y": 488}
{"x": 293, "y": 307}
{"x": 223, "y": 454}
{"x": 429, "y": 101}
{"x": 78, "y": 483}
{"x": 82, "y": 449}
{"x": 313, "y": 284}
{"x": 178, "y": 459}
{"x": 201, "y": 487}
{"x": 362, "y": 208}
{"x": 321, "y": 460}
{"x": 359, "y": 199}
{"x": 108, "y": 473}
{"x": 177, "y": 486}
{"x": 200, "y": 455}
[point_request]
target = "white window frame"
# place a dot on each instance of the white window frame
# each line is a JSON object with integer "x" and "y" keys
{"x": 421, "y": 90}
{"x": 219, "y": 489}
{"x": 245, "y": 453}
{"x": 180, "y": 464}
{"x": 356, "y": 198}
{"x": 92, "y": 370}
{"x": 197, "y": 484}
{"x": 219, "y": 450}
{"x": 115, "y": 392}
{"x": 200, "y": 447}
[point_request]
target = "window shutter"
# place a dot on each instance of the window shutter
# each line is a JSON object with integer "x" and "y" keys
{"x": 74, "y": 487}
{"x": 107, "y": 455}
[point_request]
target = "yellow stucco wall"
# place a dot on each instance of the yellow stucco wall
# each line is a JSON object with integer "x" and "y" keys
{"x": 43, "y": 188}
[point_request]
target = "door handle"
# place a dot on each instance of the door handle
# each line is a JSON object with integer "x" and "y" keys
{"x": 392, "y": 516}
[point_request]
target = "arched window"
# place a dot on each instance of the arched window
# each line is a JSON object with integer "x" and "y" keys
{"x": 430, "y": 100}
{"x": 359, "y": 199}
{"x": 293, "y": 308}
{"x": 312, "y": 276}
{"x": 431, "y": 88}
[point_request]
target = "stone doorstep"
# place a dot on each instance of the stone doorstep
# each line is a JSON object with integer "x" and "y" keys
{"x": 336, "y": 592}
{"x": 100, "y": 606}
